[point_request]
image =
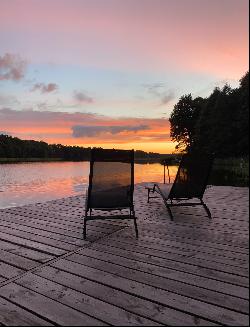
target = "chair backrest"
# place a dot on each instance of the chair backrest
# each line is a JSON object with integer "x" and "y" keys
{"x": 111, "y": 179}
{"x": 192, "y": 177}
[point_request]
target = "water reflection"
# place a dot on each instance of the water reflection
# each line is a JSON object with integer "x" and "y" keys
{"x": 27, "y": 183}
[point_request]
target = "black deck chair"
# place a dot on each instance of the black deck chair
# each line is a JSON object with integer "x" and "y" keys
{"x": 190, "y": 183}
{"x": 111, "y": 185}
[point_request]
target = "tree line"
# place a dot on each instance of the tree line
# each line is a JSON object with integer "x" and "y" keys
{"x": 13, "y": 147}
{"x": 218, "y": 124}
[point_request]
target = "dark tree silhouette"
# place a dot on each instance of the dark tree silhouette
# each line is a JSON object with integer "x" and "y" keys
{"x": 218, "y": 124}
{"x": 215, "y": 128}
{"x": 243, "y": 118}
{"x": 13, "y": 147}
{"x": 183, "y": 120}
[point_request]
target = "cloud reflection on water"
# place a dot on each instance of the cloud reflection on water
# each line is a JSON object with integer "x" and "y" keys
{"x": 28, "y": 183}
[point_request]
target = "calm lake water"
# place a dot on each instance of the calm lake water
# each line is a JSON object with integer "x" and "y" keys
{"x": 27, "y": 183}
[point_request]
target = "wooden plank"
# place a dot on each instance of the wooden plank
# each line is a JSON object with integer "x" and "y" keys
{"x": 163, "y": 231}
{"x": 51, "y": 310}
{"x": 219, "y": 217}
{"x": 25, "y": 252}
{"x": 42, "y": 236}
{"x": 44, "y": 224}
{"x": 84, "y": 303}
{"x": 39, "y": 239}
{"x": 164, "y": 245}
{"x": 179, "y": 302}
{"x": 31, "y": 244}
{"x": 17, "y": 261}
{"x": 72, "y": 230}
{"x": 40, "y": 214}
{"x": 13, "y": 315}
{"x": 57, "y": 223}
{"x": 195, "y": 223}
{"x": 52, "y": 233}
{"x": 179, "y": 266}
{"x": 69, "y": 218}
{"x": 129, "y": 302}
{"x": 217, "y": 222}
{"x": 189, "y": 241}
{"x": 228, "y": 261}
{"x": 8, "y": 271}
{"x": 180, "y": 288}
{"x": 153, "y": 230}
{"x": 201, "y": 251}
{"x": 172, "y": 274}
{"x": 241, "y": 271}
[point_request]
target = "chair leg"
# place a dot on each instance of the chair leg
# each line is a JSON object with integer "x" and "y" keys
{"x": 169, "y": 211}
{"x": 84, "y": 229}
{"x": 136, "y": 228}
{"x": 207, "y": 210}
{"x": 148, "y": 194}
{"x": 132, "y": 214}
{"x": 151, "y": 190}
{"x": 85, "y": 226}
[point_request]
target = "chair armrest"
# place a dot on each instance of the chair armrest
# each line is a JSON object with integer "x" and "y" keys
{"x": 150, "y": 188}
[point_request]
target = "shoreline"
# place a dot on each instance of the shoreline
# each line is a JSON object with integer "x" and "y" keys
{"x": 28, "y": 160}
{"x": 136, "y": 185}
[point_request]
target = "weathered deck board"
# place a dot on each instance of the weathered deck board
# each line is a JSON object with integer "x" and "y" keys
{"x": 53, "y": 311}
{"x": 180, "y": 256}
{"x": 156, "y": 294}
{"x": 130, "y": 302}
{"x": 192, "y": 271}
{"x": 185, "y": 249}
{"x": 83, "y": 302}
{"x": 188, "y": 287}
{"x": 13, "y": 315}
{"x": 187, "y": 278}
{"x": 159, "y": 263}
{"x": 164, "y": 245}
{"x": 24, "y": 251}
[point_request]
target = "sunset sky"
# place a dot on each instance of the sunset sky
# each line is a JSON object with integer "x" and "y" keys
{"x": 108, "y": 72}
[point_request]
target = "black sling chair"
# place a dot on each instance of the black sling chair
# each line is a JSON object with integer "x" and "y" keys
{"x": 190, "y": 183}
{"x": 111, "y": 185}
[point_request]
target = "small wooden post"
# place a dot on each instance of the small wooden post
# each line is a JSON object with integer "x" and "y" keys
{"x": 168, "y": 174}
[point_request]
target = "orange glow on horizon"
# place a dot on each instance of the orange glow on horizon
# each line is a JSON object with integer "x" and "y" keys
{"x": 146, "y": 134}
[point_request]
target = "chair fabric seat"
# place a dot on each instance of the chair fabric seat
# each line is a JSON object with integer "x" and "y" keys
{"x": 164, "y": 189}
{"x": 111, "y": 198}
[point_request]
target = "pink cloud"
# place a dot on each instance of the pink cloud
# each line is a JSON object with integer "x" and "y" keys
{"x": 45, "y": 88}
{"x": 96, "y": 130}
{"x": 82, "y": 97}
{"x": 12, "y": 67}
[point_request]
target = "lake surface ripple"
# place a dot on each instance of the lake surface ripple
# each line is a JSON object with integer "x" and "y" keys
{"x": 27, "y": 183}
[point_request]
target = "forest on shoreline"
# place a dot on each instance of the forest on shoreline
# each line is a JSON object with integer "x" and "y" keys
{"x": 217, "y": 125}
{"x": 13, "y": 150}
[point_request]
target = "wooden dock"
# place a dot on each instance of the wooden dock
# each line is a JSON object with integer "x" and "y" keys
{"x": 189, "y": 272}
